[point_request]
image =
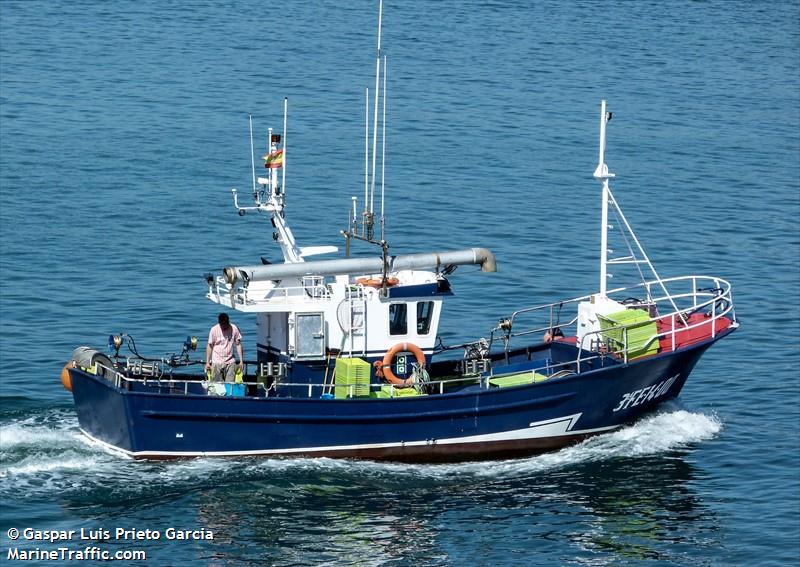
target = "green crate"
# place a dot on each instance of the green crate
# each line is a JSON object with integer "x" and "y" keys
{"x": 351, "y": 372}
{"x": 640, "y": 331}
{"x": 388, "y": 391}
{"x": 519, "y": 379}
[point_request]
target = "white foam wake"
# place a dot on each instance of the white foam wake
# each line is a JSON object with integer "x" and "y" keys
{"x": 32, "y": 432}
{"x": 656, "y": 434}
{"x": 41, "y": 443}
{"x": 40, "y": 454}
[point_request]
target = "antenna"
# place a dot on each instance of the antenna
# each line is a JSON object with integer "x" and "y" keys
{"x": 375, "y": 119}
{"x": 383, "y": 150}
{"x": 285, "y": 121}
{"x": 252, "y": 156}
{"x": 273, "y": 175}
{"x": 275, "y": 159}
{"x": 366, "y": 230}
{"x": 366, "y": 154}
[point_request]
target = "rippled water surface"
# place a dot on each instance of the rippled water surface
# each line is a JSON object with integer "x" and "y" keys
{"x": 123, "y": 127}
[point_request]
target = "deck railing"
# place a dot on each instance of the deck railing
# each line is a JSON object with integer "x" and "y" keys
{"x": 276, "y": 295}
{"x": 313, "y": 389}
{"x": 552, "y": 370}
{"x": 715, "y": 299}
{"x": 716, "y": 302}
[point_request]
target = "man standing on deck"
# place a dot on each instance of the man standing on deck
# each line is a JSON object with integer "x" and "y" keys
{"x": 219, "y": 352}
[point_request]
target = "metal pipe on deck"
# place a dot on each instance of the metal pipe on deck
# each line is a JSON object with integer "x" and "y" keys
{"x": 478, "y": 256}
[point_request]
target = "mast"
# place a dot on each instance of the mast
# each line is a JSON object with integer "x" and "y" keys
{"x": 291, "y": 252}
{"x": 366, "y": 155}
{"x": 276, "y": 201}
{"x": 602, "y": 175}
{"x": 383, "y": 151}
{"x": 285, "y": 122}
{"x": 253, "y": 157}
{"x": 366, "y": 231}
{"x": 272, "y": 174}
{"x": 375, "y": 110}
{"x": 368, "y": 223}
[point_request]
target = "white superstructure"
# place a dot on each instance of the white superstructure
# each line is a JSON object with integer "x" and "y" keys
{"x": 353, "y": 306}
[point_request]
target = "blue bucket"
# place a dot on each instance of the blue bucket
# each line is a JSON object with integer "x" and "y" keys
{"x": 235, "y": 390}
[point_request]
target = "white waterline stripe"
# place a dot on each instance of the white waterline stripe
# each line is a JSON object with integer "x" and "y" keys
{"x": 537, "y": 430}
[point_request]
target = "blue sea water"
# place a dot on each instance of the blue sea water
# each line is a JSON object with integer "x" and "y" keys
{"x": 123, "y": 126}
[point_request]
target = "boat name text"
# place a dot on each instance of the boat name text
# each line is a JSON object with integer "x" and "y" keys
{"x": 633, "y": 399}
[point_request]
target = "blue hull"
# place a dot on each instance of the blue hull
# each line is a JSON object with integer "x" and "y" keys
{"x": 468, "y": 425}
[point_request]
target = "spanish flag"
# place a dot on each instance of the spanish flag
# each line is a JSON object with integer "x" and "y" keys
{"x": 274, "y": 160}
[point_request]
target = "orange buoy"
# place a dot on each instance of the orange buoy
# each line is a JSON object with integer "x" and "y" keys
{"x": 377, "y": 282}
{"x": 66, "y": 381}
{"x": 386, "y": 366}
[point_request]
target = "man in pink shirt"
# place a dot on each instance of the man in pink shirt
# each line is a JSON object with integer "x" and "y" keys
{"x": 219, "y": 352}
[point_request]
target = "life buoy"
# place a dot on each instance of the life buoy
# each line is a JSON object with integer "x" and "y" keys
{"x": 386, "y": 366}
{"x": 66, "y": 380}
{"x": 377, "y": 282}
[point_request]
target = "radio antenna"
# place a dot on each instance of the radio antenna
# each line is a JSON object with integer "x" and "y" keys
{"x": 383, "y": 151}
{"x": 285, "y": 121}
{"x": 252, "y": 155}
{"x": 366, "y": 155}
{"x": 375, "y": 115}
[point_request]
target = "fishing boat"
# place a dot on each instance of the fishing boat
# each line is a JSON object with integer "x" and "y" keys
{"x": 349, "y": 363}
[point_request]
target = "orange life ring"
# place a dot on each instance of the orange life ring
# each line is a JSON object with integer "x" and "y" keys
{"x": 66, "y": 380}
{"x": 386, "y": 366}
{"x": 377, "y": 282}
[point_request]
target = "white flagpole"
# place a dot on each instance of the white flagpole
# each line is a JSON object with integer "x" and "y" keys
{"x": 383, "y": 149}
{"x": 285, "y": 121}
{"x": 252, "y": 154}
{"x": 366, "y": 151}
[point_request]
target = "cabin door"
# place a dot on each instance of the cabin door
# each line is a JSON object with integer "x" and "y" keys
{"x": 309, "y": 338}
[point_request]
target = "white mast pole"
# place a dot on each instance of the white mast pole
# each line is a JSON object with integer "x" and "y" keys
{"x": 273, "y": 175}
{"x": 285, "y": 121}
{"x": 601, "y": 160}
{"x": 252, "y": 155}
{"x": 366, "y": 151}
{"x": 383, "y": 149}
{"x": 604, "y": 233}
{"x": 375, "y": 119}
{"x": 602, "y": 174}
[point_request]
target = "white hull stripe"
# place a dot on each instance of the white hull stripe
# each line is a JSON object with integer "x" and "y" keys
{"x": 541, "y": 429}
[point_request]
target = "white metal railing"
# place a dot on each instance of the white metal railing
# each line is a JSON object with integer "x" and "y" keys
{"x": 716, "y": 301}
{"x": 714, "y": 295}
{"x": 317, "y": 389}
{"x": 275, "y": 296}
{"x": 118, "y": 378}
{"x": 551, "y": 370}
{"x": 693, "y": 293}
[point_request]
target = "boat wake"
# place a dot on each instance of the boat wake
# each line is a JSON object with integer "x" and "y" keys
{"x": 46, "y": 455}
{"x": 41, "y": 445}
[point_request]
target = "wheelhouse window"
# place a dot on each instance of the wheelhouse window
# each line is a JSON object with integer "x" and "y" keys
{"x": 424, "y": 317}
{"x": 398, "y": 319}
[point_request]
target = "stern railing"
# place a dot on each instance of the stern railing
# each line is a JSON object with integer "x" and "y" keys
{"x": 278, "y": 295}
